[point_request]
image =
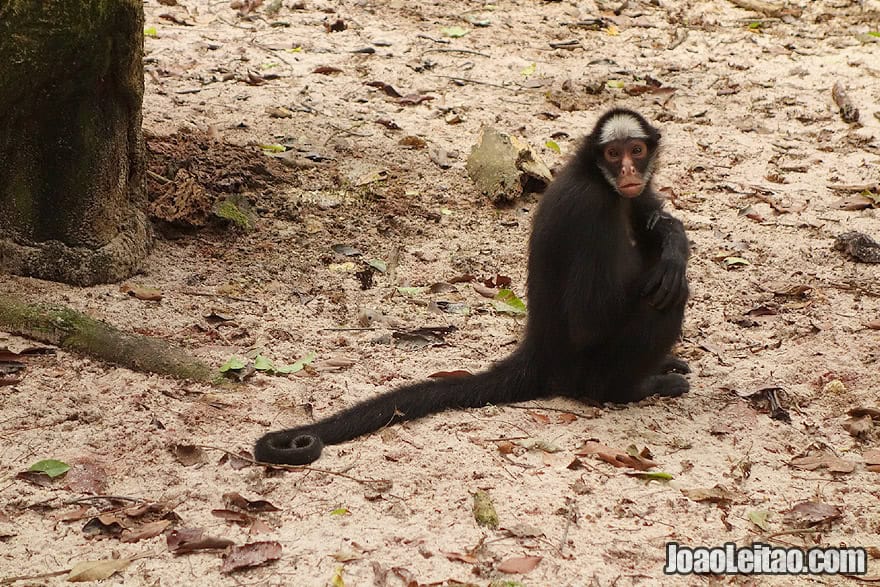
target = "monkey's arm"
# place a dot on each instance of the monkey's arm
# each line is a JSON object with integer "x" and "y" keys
{"x": 666, "y": 282}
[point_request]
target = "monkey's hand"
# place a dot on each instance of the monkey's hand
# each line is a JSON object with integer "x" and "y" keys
{"x": 666, "y": 285}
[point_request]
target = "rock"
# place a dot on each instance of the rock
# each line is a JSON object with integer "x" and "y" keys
{"x": 503, "y": 167}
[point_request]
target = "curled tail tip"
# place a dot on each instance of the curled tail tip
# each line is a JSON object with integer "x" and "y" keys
{"x": 283, "y": 448}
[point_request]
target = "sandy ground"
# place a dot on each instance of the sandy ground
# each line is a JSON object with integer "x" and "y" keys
{"x": 754, "y": 147}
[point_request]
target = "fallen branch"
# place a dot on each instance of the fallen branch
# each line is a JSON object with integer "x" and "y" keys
{"x": 71, "y": 330}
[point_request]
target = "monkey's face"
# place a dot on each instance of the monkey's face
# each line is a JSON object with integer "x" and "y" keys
{"x": 626, "y": 164}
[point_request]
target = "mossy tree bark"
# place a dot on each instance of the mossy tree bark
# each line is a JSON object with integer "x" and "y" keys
{"x": 74, "y": 331}
{"x": 72, "y": 185}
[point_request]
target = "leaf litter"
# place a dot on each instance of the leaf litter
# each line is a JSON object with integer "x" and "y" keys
{"x": 722, "y": 124}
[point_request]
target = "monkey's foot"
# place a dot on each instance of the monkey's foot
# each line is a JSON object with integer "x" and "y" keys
{"x": 674, "y": 365}
{"x": 668, "y": 385}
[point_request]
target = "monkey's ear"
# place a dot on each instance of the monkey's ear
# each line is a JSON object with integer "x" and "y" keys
{"x": 659, "y": 136}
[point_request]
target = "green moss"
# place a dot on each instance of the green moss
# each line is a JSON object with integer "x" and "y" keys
{"x": 229, "y": 210}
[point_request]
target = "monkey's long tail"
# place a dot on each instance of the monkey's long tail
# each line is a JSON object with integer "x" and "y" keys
{"x": 509, "y": 380}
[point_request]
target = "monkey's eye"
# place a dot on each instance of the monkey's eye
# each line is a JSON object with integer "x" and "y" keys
{"x": 612, "y": 154}
{"x": 638, "y": 150}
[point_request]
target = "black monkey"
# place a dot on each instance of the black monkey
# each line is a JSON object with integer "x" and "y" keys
{"x": 606, "y": 292}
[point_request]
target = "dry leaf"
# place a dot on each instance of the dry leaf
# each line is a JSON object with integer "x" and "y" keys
{"x": 413, "y": 99}
{"x": 253, "y": 554}
{"x": 506, "y": 447}
{"x": 823, "y": 460}
{"x": 326, "y": 70}
{"x": 146, "y": 531}
{"x": 259, "y": 505}
{"x": 147, "y": 507}
{"x": 718, "y": 494}
{"x": 461, "y": 557}
{"x": 104, "y": 525}
{"x": 150, "y": 294}
{"x": 539, "y": 418}
{"x": 279, "y": 112}
{"x": 811, "y": 513}
{"x": 239, "y": 461}
{"x": 615, "y": 457}
{"x": 387, "y": 88}
{"x": 524, "y": 531}
{"x": 854, "y": 203}
{"x": 96, "y": 570}
{"x": 187, "y": 540}
{"x": 258, "y": 526}
{"x": 346, "y": 556}
{"x": 86, "y": 476}
{"x": 485, "y": 291}
{"x": 232, "y": 516}
{"x": 413, "y": 142}
{"x": 859, "y": 412}
{"x": 521, "y": 565}
{"x": 76, "y": 515}
{"x": 188, "y": 454}
{"x": 389, "y": 124}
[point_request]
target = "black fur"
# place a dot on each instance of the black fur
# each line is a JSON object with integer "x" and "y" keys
{"x": 606, "y": 294}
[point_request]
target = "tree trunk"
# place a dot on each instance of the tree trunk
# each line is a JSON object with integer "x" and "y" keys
{"x": 72, "y": 185}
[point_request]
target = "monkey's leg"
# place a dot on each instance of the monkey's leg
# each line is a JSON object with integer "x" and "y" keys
{"x": 639, "y": 354}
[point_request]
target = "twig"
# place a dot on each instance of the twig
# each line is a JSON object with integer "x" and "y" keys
{"x": 274, "y": 53}
{"x": 458, "y": 78}
{"x": 852, "y": 286}
{"x": 296, "y": 467}
{"x": 232, "y": 24}
{"x": 570, "y": 44}
{"x": 161, "y": 179}
{"x": 11, "y": 580}
{"x": 794, "y": 532}
{"x": 347, "y": 131}
{"x": 571, "y": 515}
{"x": 468, "y": 51}
{"x": 862, "y": 187}
{"x": 549, "y": 409}
{"x": 107, "y": 497}
{"x": 442, "y": 41}
{"x": 646, "y": 519}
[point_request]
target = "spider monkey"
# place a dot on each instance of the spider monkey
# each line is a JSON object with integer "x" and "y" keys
{"x": 606, "y": 290}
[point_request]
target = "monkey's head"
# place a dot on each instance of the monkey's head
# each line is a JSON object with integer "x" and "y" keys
{"x": 624, "y": 148}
